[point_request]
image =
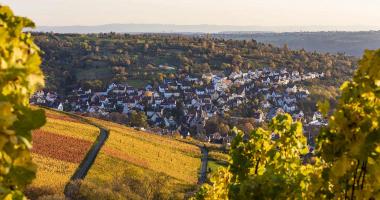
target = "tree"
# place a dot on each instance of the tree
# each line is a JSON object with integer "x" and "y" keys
{"x": 138, "y": 119}
{"x": 96, "y": 85}
{"x": 20, "y": 77}
{"x": 267, "y": 166}
{"x": 345, "y": 165}
{"x": 351, "y": 142}
{"x": 120, "y": 74}
{"x": 211, "y": 126}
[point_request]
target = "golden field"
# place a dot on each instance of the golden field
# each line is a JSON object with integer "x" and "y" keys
{"x": 147, "y": 153}
{"x": 61, "y": 144}
{"x": 58, "y": 148}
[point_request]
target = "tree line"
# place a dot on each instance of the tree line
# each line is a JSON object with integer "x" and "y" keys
{"x": 95, "y": 60}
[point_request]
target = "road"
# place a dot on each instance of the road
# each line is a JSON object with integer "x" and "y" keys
{"x": 203, "y": 172}
{"x": 87, "y": 162}
{"x": 83, "y": 168}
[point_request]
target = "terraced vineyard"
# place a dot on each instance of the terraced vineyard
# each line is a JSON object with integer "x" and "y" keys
{"x": 138, "y": 154}
{"x": 58, "y": 148}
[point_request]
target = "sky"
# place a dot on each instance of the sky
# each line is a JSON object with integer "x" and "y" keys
{"x": 194, "y": 12}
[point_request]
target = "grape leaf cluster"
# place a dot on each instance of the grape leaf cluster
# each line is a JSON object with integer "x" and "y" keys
{"x": 20, "y": 77}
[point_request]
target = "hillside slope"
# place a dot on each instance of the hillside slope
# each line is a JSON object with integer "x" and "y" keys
{"x": 145, "y": 158}
{"x": 128, "y": 155}
{"x": 351, "y": 43}
{"x": 58, "y": 148}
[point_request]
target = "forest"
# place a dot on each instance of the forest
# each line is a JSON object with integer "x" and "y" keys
{"x": 95, "y": 60}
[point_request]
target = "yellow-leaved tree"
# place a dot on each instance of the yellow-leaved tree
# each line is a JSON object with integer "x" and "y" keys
{"x": 346, "y": 162}
{"x": 20, "y": 76}
{"x": 351, "y": 142}
{"x": 267, "y": 166}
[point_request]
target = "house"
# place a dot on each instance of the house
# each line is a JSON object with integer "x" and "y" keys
{"x": 317, "y": 116}
{"x": 216, "y": 138}
{"x": 186, "y": 86}
{"x": 130, "y": 103}
{"x": 296, "y": 79}
{"x": 289, "y": 99}
{"x": 158, "y": 101}
{"x": 258, "y": 116}
{"x": 210, "y": 89}
{"x": 51, "y": 96}
{"x": 40, "y": 94}
{"x": 149, "y": 87}
{"x": 191, "y": 79}
{"x": 168, "y": 104}
{"x": 119, "y": 89}
{"x": 293, "y": 89}
{"x": 283, "y": 71}
{"x": 162, "y": 88}
{"x": 130, "y": 90}
{"x": 207, "y": 76}
{"x": 289, "y": 108}
{"x": 235, "y": 75}
{"x": 298, "y": 116}
{"x": 170, "y": 122}
{"x": 200, "y": 91}
{"x": 266, "y": 81}
{"x": 156, "y": 118}
{"x": 126, "y": 110}
{"x": 168, "y": 94}
{"x": 295, "y": 73}
{"x": 60, "y": 107}
{"x": 302, "y": 95}
{"x": 266, "y": 104}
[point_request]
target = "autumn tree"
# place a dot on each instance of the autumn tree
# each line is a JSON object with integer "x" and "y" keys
{"x": 345, "y": 165}
{"x": 20, "y": 77}
{"x": 138, "y": 119}
{"x": 351, "y": 142}
{"x": 267, "y": 166}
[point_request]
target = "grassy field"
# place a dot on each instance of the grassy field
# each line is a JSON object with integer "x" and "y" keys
{"x": 94, "y": 73}
{"x": 128, "y": 152}
{"x": 58, "y": 147}
{"x": 216, "y": 159}
{"x": 137, "y": 83}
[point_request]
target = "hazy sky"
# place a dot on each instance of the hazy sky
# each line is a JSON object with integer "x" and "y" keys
{"x": 186, "y": 12}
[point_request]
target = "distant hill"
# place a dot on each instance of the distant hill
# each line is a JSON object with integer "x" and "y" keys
{"x": 351, "y": 43}
{"x": 72, "y": 60}
{"x": 351, "y": 40}
{"x": 201, "y": 28}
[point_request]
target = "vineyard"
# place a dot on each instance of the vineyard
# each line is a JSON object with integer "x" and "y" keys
{"x": 137, "y": 152}
{"x": 62, "y": 143}
{"x": 58, "y": 148}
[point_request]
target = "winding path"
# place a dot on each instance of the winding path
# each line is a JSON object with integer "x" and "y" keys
{"x": 87, "y": 162}
{"x": 203, "y": 172}
{"x": 83, "y": 168}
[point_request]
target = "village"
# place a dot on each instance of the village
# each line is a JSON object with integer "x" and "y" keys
{"x": 184, "y": 105}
